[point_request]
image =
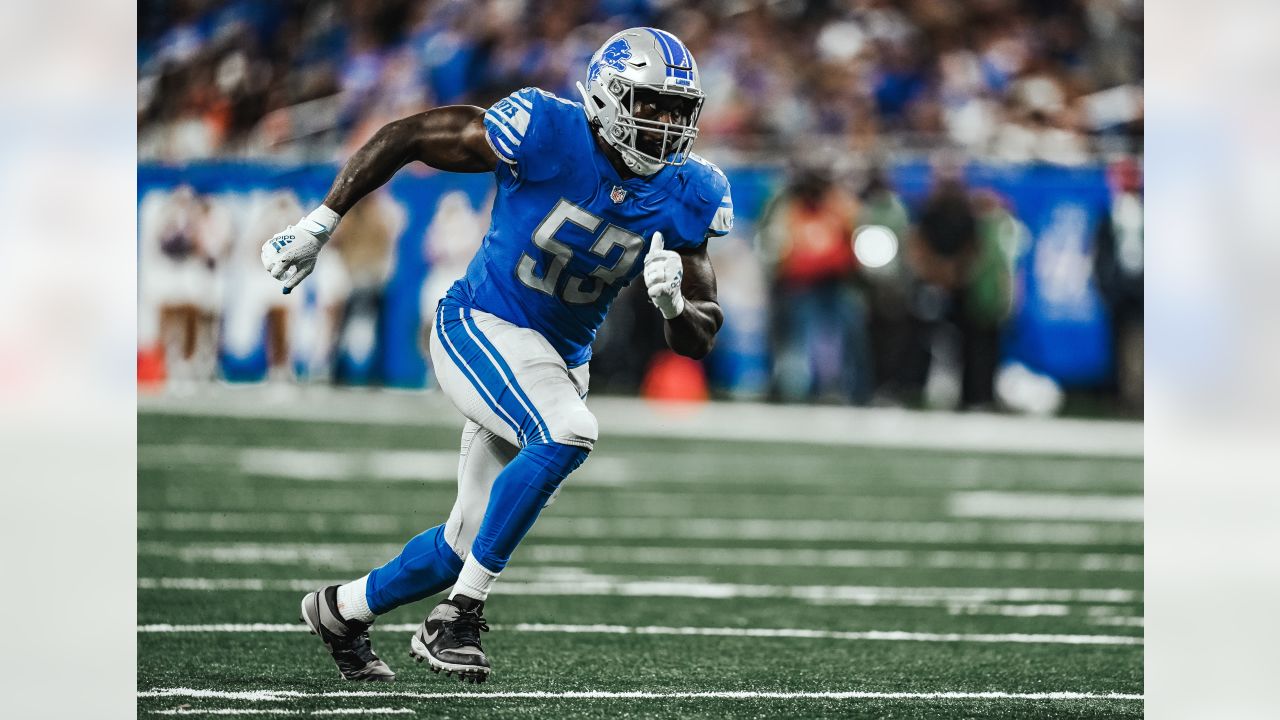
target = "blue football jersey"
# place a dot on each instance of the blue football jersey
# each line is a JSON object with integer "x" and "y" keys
{"x": 567, "y": 233}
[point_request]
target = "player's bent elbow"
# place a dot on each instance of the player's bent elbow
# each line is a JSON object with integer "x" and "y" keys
{"x": 696, "y": 350}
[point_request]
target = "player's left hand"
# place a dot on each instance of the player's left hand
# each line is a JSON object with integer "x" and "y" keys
{"x": 663, "y": 273}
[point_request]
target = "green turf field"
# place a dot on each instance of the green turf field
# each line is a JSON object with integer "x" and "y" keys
{"x": 670, "y": 579}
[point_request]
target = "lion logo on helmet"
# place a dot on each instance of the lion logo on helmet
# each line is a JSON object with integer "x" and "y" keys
{"x": 612, "y": 55}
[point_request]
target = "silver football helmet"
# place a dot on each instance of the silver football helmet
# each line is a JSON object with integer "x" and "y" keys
{"x": 641, "y": 61}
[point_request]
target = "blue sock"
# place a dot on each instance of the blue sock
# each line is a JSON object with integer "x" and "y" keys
{"x": 423, "y": 568}
{"x": 519, "y": 493}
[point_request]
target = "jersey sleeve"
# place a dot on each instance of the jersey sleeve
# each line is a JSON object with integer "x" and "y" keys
{"x": 509, "y": 126}
{"x": 707, "y": 205}
{"x": 722, "y": 221}
{"x": 527, "y": 129}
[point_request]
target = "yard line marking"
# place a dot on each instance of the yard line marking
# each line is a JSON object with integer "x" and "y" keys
{"x": 1037, "y": 610}
{"x": 360, "y": 555}
{"x": 1120, "y": 621}
{"x": 281, "y": 695}
{"x": 295, "y": 464}
{"x": 890, "y": 635}
{"x": 390, "y": 465}
{"x": 802, "y": 557}
{"x": 729, "y": 421}
{"x": 1045, "y": 506}
{"x": 817, "y": 475}
{"x": 900, "y": 531}
{"x": 600, "y": 585}
{"x": 787, "y": 633}
{"x": 282, "y": 711}
{"x": 337, "y": 555}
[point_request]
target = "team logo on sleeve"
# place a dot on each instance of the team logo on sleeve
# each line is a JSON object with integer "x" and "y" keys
{"x": 618, "y": 195}
{"x": 613, "y": 55}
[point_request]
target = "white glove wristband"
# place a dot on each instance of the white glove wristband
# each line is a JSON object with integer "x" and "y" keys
{"x": 673, "y": 309}
{"x": 320, "y": 222}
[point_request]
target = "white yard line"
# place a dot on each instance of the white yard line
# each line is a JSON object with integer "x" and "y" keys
{"x": 787, "y": 633}
{"x": 699, "y": 474}
{"x": 384, "y": 465}
{"x": 360, "y": 555}
{"x": 1119, "y": 621}
{"x": 329, "y": 712}
{"x": 439, "y": 467}
{"x": 901, "y": 531}
{"x": 801, "y": 557}
{"x": 1004, "y": 610}
{"x": 751, "y": 422}
{"x": 595, "y": 585}
{"x": 283, "y": 695}
{"x": 1045, "y": 506}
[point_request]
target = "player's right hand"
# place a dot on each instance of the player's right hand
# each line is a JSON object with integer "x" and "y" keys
{"x": 290, "y": 255}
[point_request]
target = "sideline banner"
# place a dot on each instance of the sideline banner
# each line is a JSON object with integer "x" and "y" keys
{"x": 1060, "y": 327}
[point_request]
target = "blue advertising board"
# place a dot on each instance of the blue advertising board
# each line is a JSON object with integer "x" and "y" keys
{"x": 1060, "y": 327}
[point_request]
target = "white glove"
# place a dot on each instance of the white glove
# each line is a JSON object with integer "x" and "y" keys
{"x": 663, "y": 271}
{"x": 290, "y": 255}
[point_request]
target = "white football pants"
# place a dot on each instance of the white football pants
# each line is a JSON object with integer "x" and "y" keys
{"x": 514, "y": 389}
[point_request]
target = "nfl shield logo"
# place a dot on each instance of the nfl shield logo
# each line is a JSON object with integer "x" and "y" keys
{"x": 618, "y": 194}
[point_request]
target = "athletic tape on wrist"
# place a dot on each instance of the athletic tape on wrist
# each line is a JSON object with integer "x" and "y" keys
{"x": 321, "y": 222}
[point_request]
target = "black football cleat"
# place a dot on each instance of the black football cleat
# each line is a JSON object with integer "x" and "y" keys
{"x": 449, "y": 640}
{"x": 347, "y": 640}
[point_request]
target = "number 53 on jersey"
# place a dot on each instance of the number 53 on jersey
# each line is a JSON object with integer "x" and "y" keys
{"x": 576, "y": 289}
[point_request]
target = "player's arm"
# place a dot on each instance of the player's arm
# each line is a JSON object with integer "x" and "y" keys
{"x": 682, "y": 284}
{"x": 447, "y": 138}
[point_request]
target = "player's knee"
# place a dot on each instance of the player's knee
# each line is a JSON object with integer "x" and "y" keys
{"x": 554, "y": 462}
{"x": 577, "y": 427}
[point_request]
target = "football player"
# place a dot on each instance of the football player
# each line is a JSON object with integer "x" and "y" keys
{"x": 590, "y": 195}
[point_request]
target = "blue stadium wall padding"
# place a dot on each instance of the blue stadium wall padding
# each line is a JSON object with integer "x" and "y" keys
{"x": 1061, "y": 327}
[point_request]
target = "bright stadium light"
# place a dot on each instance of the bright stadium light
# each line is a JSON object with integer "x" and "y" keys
{"x": 875, "y": 246}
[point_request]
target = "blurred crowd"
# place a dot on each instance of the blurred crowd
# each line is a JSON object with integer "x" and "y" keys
{"x": 860, "y": 296}
{"x": 1012, "y": 80}
{"x": 914, "y": 311}
{"x": 843, "y": 290}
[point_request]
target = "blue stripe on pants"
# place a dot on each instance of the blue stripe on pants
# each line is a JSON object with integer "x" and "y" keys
{"x": 490, "y": 374}
{"x": 505, "y": 371}
{"x": 469, "y": 359}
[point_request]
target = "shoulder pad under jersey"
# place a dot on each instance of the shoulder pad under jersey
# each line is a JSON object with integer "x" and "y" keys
{"x": 707, "y": 203}
{"x": 529, "y": 130}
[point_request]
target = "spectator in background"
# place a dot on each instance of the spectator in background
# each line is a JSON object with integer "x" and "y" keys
{"x": 254, "y": 300}
{"x": 964, "y": 291}
{"x": 888, "y": 279}
{"x": 182, "y": 239}
{"x": 451, "y": 240}
{"x": 366, "y": 241}
{"x": 627, "y": 343}
{"x": 317, "y": 319}
{"x": 819, "y": 324}
{"x": 999, "y": 77}
{"x": 1118, "y": 266}
{"x": 1014, "y": 80}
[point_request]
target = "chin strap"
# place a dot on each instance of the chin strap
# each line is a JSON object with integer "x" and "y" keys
{"x": 640, "y": 166}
